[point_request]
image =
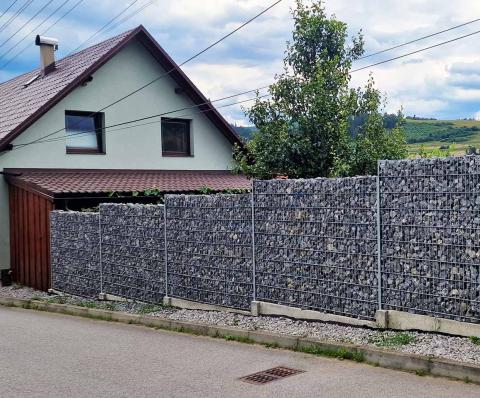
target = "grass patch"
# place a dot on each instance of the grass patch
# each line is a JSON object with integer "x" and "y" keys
{"x": 421, "y": 372}
{"x": 339, "y": 353}
{"x": 240, "y": 339}
{"x": 149, "y": 308}
{"x": 272, "y": 345}
{"x": 475, "y": 340}
{"x": 395, "y": 340}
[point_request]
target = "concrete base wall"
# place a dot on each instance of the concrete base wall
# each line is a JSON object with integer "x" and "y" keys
{"x": 405, "y": 321}
{"x": 263, "y": 308}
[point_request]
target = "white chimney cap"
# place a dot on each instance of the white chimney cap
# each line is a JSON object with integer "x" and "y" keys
{"x": 48, "y": 41}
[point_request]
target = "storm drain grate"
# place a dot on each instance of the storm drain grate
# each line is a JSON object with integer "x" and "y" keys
{"x": 267, "y": 376}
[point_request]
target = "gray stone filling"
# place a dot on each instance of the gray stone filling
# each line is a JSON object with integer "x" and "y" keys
{"x": 75, "y": 253}
{"x": 431, "y": 236}
{"x": 315, "y": 244}
{"x": 209, "y": 249}
{"x": 133, "y": 246}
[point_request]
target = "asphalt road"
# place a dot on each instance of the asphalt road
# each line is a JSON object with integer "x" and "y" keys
{"x": 49, "y": 355}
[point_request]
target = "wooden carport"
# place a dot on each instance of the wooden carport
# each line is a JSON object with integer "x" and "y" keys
{"x": 34, "y": 193}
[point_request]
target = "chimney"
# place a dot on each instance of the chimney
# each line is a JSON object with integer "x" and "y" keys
{"x": 48, "y": 46}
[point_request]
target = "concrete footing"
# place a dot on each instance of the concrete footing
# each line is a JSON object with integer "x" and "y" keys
{"x": 263, "y": 308}
{"x": 192, "y": 305}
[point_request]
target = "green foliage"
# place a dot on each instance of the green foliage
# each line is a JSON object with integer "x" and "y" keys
{"x": 303, "y": 130}
{"x": 153, "y": 192}
{"x": 112, "y": 194}
{"x": 240, "y": 339}
{"x": 475, "y": 340}
{"x": 441, "y": 152}
{"x": 340, "y": 353}
{"x": 472, "y": 150}
{"x": 392, "y": 340}
{"x": 149, "y": 308}
{"x": 244, "y": 131}
{"x": 205, "y": 190}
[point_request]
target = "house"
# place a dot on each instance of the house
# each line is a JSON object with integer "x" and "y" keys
{"x": 58, "y": 151}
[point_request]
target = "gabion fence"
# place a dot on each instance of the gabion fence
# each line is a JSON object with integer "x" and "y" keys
{"x": 132, "y": 251}
{"x": 430, "y": 229}
{"x": 316, "y": 246}
{"x": 209, "y": 246}
{"x": 75, "y": 253}
{"x": 407, "y": 240}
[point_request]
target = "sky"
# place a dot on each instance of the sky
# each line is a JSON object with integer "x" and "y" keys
{"x": 442, "y": 83}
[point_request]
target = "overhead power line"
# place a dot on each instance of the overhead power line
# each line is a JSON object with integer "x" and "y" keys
{"x": 173, "y": 69}
{"x": 26, "y": 23}
{"x": 419, "y": 39}
{"x": 417, "y": 51}
{"x": 17, "y": 13}
{"x": 8, "y": 9}
{"x": 103, "y": 27}
{"x": 43, "y": 32}
{"x": 129, "y": 16}
{"x": 33, "y": 30}
{"x": 42, "y": 139}
{"x": 111, "y": 129}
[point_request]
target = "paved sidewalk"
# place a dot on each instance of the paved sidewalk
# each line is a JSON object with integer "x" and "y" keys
{"x": 49, "y": 355}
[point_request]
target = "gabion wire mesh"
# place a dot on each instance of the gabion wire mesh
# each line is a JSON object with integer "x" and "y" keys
{"x": 315, "y": 244}
{"x": 209, "y": 249}
{"x": 132, "y": 251}
{"x": 430, "y": 228}
{"x": 75, "y": 253}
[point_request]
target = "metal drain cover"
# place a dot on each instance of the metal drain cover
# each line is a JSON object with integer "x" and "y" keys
{"x": 269, "y": 375}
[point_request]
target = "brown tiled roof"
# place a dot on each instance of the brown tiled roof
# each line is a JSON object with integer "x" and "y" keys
{"x": 62, "y": 182}
{"x": 21, "y": 106}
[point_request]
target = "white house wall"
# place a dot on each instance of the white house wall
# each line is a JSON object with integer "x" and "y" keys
{"x": 134, "y": 148}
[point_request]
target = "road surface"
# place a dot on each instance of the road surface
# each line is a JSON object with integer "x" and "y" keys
{"x": 51, "y": 355}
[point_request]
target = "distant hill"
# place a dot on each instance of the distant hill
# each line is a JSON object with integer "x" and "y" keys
{"x": 244, "y": 131}
{"x": 431, "y": 133}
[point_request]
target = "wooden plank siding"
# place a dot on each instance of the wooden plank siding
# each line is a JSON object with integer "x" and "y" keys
{"x": 30, "y": 238}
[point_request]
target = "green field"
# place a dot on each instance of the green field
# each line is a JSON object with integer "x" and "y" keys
{"x": 434, "y": 134}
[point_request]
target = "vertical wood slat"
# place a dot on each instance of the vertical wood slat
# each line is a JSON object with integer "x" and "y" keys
{"x": 30, "y": 238}
{"x": 13, "y": 231}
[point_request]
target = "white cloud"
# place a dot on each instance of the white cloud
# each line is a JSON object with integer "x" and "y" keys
{"x": 442, "y": 82}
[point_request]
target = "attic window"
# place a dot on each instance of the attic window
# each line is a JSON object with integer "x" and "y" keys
{"x": 176, "y": 137}
{"x": 85, "y": 132}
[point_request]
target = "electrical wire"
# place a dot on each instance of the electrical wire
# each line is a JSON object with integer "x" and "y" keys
{"x": 8, "y": 8}
{"x": 42, "y": 139}
{"x": 419, "y": 39}
{"x": 103, "y": 27}
{"x": 26, "y": 23}
{"x": 43, "y": 32}
{"x": 81, "y": 133}
{"x": 34, "y": 29}
{"x": 17, "y": 13}
{"x": 416, "y": 52}
{"x": 174, "y": 68}
{"x": 129, "y": 16}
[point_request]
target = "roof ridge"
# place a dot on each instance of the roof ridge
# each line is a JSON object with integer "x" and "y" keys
{"x": 125, "y": 33}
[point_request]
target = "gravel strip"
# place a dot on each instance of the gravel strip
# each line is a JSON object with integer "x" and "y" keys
{"x": 460, "y": 349}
